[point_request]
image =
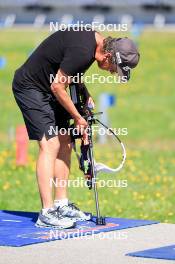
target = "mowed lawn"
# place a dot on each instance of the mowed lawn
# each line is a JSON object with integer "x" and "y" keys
{"x": 145, "y": 106}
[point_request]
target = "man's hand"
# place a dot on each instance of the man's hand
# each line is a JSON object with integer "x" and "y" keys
{"x": 80, "y": 124}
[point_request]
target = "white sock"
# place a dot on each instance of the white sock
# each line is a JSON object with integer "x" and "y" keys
{"x": 45, "y": 210}
{"x": 61, "y": 202}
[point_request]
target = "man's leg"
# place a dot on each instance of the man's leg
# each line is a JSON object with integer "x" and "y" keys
{"x": 62, "y": 168}
{"x": 48, "y": 151}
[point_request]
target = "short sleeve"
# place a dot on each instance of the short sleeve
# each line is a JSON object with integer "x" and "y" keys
{"x": 75, "y": 60}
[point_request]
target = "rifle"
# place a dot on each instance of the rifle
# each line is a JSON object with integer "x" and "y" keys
{"x": 87, "y": 163}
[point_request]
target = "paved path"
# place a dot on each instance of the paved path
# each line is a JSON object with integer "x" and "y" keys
{"x": 98, "y": 250}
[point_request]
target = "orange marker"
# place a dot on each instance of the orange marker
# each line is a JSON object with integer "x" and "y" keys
{"x": 21, "y": 145}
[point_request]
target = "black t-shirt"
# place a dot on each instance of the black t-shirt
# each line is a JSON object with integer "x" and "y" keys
{"x": 71, "y": 51}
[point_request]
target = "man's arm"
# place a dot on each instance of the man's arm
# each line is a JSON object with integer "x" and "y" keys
{"x": 59, "y": 90}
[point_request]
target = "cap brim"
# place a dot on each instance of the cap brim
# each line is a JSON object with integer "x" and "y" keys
{"x": 123, "y": 73}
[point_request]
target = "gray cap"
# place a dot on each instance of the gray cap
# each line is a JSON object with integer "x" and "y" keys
{"x": 125, "y": 55}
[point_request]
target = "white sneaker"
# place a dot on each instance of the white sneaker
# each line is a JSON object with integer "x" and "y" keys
{"x": 52, "y": 218}
{"x": 73, "y": 212}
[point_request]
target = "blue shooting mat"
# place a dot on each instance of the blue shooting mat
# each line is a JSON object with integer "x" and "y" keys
{"x": 18, "y": 228}
{"x": 167, "y": 253}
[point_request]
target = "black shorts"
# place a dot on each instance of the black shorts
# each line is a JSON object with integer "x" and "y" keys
{"x": 42, "y": 113}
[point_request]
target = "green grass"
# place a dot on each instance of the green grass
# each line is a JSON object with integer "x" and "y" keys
{"x": 145, "y": 106}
